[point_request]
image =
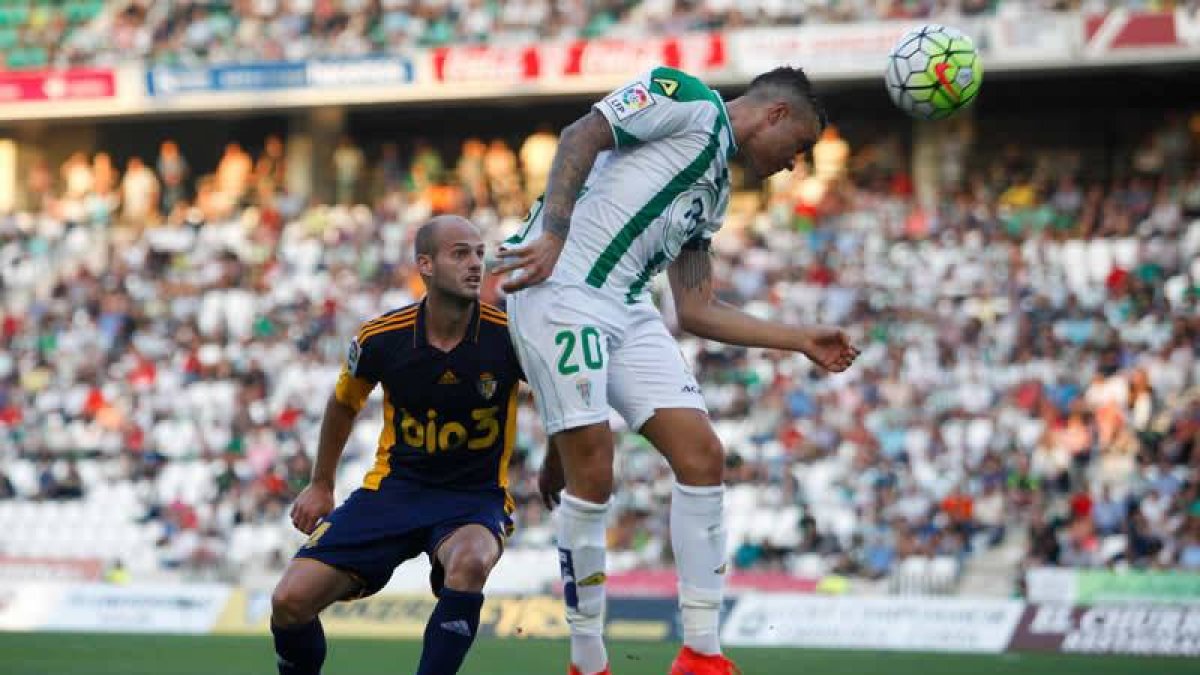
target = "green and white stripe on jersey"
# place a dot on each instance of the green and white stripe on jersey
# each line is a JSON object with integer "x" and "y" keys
{"x": 665, "y": 182}
{"x": 685, "y": 179}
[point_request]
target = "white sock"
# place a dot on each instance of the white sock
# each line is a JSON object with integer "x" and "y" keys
{"x": 698, "y": 539}
{"x": 581, "y": 549}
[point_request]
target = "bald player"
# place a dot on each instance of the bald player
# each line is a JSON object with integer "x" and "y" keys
{"x": 439, "y": 483}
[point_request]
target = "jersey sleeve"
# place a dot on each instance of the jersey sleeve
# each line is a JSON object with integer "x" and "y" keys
{"x": 656, "y": 105}
{"x": 357, "y": 378}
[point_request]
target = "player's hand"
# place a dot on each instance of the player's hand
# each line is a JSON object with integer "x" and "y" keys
{"x": 312, "y": 504}
{"x": 829, "y": 348}
{"x": 533, "y": 262}
{"x": 551, "y": 481}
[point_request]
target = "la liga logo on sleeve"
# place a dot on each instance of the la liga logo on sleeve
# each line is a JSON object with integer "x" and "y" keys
{"x": 630, "y": 100}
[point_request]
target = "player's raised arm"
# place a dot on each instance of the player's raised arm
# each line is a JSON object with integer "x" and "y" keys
{"x": 578, "y": 146}
{"x": 703, "y": 315}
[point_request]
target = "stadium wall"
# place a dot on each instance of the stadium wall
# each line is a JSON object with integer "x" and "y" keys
{"x": 907, "y": 623}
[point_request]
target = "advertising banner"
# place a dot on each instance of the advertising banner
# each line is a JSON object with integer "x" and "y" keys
{"x": 902, "y": 623}
{"x": 861, "y": 49}
{"x": 20, "y": 568}
{"x": 404, "y": 616}
{"x": 27, "y": 606}
{"x": 611, "y": 57}
{"x": 1121, "y": 31}
{"x": 843, "y": 49}
{"x": 57, "y": 85}
{"x": 1113, "y": 629}
{"x": 148, "y": 608}
{"x": 268, "y": 76}
{"x": 665, "y": 583}
{"x": 1064, "y": 586}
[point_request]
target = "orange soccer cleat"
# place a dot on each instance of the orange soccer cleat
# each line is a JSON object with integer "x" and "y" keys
{"x": 691, "y": 662}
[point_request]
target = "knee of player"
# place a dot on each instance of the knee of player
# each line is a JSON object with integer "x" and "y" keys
{"x": 289, "y": 607}
{"x": 469, "y": 570}
{"x": 703, "y": 465}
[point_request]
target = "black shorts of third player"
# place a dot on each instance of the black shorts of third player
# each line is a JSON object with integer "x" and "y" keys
{"x": 375, "y": 531}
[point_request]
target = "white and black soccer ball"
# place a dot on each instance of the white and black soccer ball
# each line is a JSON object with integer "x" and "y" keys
{"x": 933, "y": 72}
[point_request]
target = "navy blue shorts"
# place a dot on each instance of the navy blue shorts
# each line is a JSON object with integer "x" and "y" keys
{"x": 373, "y": 531}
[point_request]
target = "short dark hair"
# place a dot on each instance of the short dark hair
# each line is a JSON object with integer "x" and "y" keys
{"x": 426, "y": 241}
{"x": 794, "y": 81}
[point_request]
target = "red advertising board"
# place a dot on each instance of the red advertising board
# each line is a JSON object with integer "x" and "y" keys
{"x": 18, "y": 568}
{"x": 57, "y": 85}
{"x": 697, "y": 53}
{"x": 1119, "y": 30}
{"x": 654, "y": 583}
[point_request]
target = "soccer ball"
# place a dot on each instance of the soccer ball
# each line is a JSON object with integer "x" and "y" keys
{"x": 933, "y": 72}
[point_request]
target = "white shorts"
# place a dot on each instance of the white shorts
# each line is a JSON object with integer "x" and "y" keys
{"x": 583, "y": 352}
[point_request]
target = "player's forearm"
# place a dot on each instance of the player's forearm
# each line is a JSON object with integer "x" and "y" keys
{"x": 722, "y": 322}
{"x": 335, "y": 431}
{"x": 578, "y": 147}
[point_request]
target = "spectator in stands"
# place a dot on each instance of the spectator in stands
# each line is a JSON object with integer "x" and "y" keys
{"x": 46, "y": 481}
{"x": 1109, "y": 512}
{"x": 392, "y": 173}
{"x": 347, "y": 168}
{"x": 7, "y": 490}
{"x": 270, "y": 171}
{"x": 232, "y": 177}
{"x": 1084, "y": 386}
{"x": 174, "y": 172}
{"x": 116, "y": 573}
{"x": 77, "y": 177}
{"x": 504, "y": 178}
{"x": 139, "y": 194}
{"x": 71, "y": 485}
{"x": 537, "y": 154}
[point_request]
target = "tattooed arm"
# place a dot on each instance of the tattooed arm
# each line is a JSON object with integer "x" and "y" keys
{"x": 578, "y": 147}
{"x": 703, "y": 315}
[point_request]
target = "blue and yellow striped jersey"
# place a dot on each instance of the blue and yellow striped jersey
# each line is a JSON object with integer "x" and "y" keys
{"x": 450, "y": 418}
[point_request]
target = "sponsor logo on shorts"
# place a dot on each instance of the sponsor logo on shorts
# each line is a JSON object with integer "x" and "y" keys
{"x": 690, "y": 389}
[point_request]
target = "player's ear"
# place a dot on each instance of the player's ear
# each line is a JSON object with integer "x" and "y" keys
{"x": 777, "y": 112}
{"x": 425, "y": 264}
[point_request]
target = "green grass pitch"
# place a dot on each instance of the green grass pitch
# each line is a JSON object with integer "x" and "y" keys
{"x": 76, "y": 654}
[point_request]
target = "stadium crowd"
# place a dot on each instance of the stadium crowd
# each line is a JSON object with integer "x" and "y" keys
{"x": 41, "y": 33}
{"x": 1030, "y": 349}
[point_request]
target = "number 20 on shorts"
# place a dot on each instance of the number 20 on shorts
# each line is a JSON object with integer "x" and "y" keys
{"x": 588, "y": 341}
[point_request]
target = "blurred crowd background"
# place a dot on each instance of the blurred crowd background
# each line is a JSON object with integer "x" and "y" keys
{"x": 1030, "y": 380}
{"x": 40, "y": 33}
{"x": 1029, "y": 371}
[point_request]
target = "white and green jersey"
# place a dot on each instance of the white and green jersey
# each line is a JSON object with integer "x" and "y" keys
{"x": 665, "y": 184}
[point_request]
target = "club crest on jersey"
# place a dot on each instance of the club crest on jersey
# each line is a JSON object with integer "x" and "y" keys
{"x": 487, "y": 385}
{"x": 630, "y": 100}
{"x": 352, "y": 356}
{"x": 584, "y": 386}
